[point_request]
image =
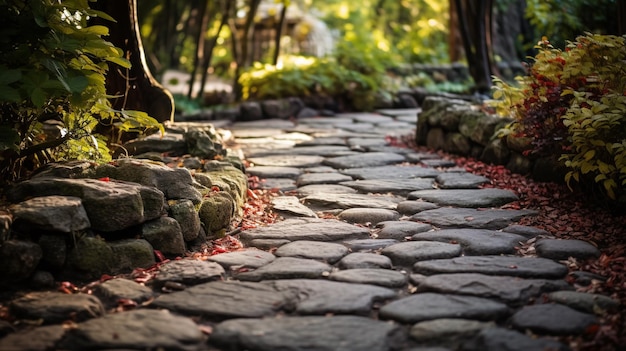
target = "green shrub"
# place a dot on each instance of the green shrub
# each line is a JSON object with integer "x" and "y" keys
{"x": 573, "y": 105}
{"x": 52, "y": 68}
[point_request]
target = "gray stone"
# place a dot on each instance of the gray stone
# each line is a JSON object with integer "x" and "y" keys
{"x": 318, "y": 296}
{"x": 250, "y": 111}
{"x": 397, "y": 112}
{"x": 113, "y": 290}
{"x": 525, "y": 231}
{"x": 369, "y": 244}
{"x": 496, "y": 152}
{"x": 339, "y": 333}
{"x": 54, "y": 250}
{"x": 330, "y": 140}
{"x": 291, "y": 205}
{"x": 456, "y": 143}
{"x": 282, "y": 184}
{"x": 110, "y": 205}
{"x": 429, "y": 306}
{"x": 184, "y": 212}
{"x": 460, "y": 180}
{"x": 326, "y": 200}
{"x": 324, "y": 251}
{"x": 366, "y": 142}
{"x": 216, "y": 212}
{"x": 249, "y": 258}
{"x": 373, "y": 276}
{"x": 55, "y": 307}
{"x": 523, "y": 267}
{"x": 36, "y": 339}
{"x": 368, "y": 215}
{"x": 471, "y": 218}
{"x": 306, "y": 229}
{"x": 558, "y": 249}
{"x": 324, "y": 188}
{"x": 407, "y": 253}
{"x": 188, "y": 272}
{"x": 90, "y": 258}
{"x": 450, "y": 332}
{"x": 412, "y": 207}
{"x": 476, "y": 241}
{"x": 267, "y": 244}
{"x": 391, "y": 172}
{"x": 201, "y": 144}
{"x": 435, "y": 138}
{"x": 500, "y": 339}
{"x": 371, "y": 159}
{"x": 139, "y": 329}
{"x": 172, "y": 143}
{"x": 321, "y": 178}
{"x": 364, "y": 260}
{"x": 287, "y": 268}
{"x": 396, "y": 186}
{"x": 299, "y": 161}
{"x": 165, "y": 235}
{"x": 400, "y": 230}
{"x": 192, "y": 163}
{"x": 585, "y": 302}
{"x": 307, "y": 112}
{"x": 129, "y": 254}
{"x": 441, "y": 163}
{"x": 466, "y": 197}
{"x": 274, "y": 172}
{"x": 56, "y": 213}
{"x": 321, "y": 150}
{"x": 279, "y": 109}
{"x": 320, "y": 169}
{"x": 367, "y": 117}
{"x": 227, "y": 299}
{"x": 552, "y": 319}
{"x": 511, "y": 290}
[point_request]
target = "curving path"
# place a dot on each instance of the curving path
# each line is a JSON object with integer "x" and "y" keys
{"x": 381, "y": 248}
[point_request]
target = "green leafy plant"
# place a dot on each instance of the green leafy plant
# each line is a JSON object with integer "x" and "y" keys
{"x": 55, "y": 72}
{"x": 572, "y": 104}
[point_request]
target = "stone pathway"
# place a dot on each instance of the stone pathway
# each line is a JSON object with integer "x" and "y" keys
{"x": 381, "y": 249}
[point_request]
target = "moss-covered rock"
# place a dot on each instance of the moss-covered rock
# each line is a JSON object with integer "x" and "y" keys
{"x": 184, "y": 212}
{"x": 165, "y": 235}
{"x": 18, "y": 260}
{"x": 129, "y": 254}
{"x": 216, "y": 213}
{"x": 90, "y": 258}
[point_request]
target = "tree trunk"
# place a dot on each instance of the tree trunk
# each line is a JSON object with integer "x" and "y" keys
{"x": 475, "y": 26}
{"x": 134, "y": 88}
{"x": 203, "y": 16}
{"x": 279, "y": 33}
{"x": 621, "y": 17}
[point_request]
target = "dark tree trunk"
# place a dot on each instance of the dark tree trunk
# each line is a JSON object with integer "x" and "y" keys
{"x": 279, "y": 33}
{"x": 475, "y": 26}
{"x": 621, "y": 17}
{"x": 136, "y": 88}
{"x": 211, "y": 45}
{"x": 202, "y": 16}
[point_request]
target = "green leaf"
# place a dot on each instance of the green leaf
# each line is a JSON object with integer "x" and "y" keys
{"x": 9, "y": 138}
{"x": 9, "y": 94}
{"x": 8, "y": 76}
{"x": 120, "y": 61}
{"x": 77, "y": 84}
{"x": 97, "y": 30}
{"x": 38, "y": 97}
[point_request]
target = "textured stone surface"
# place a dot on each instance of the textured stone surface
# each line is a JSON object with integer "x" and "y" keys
{"x": 287, "y": 268}
{"x": 364, "y": 260}
{"x": 189, "y": 272}
{"x": 396, "y": 186}
{"x": 249, "y": 258}
{"x": 370, "y": 159}
{"x": 368, "y": 215}
{"x": 56, "y": 307}
{"x": 450, "y": 332}
{"x": 466, "y": 197}
{"x": 306, "y": 229}
{"x": 476, "y": 241}
{"x": 56, "y": 213}
{"x": 120, "y": 288}
{"x": 374, "y": 276}
{"x": 391, "y": 172}
{"x": 552, "y": 319}
{"x": 328, "y": 252}
{"x": 525, "y": 267}
{"x": 563, "y": 249}
{"x": 471, "y": 218}
{"x": 298, "y": 161}
{"x": 407, "y": 253}
{"x": 460, "y": 180}
{"x": 500, "y": 339}
{"x": 321, "y": 178}
{"x": 344, "y": 201}
{"x": 290, "y": 205}
{"x": 584, "y": 302}
{"x": 400, "y": 229}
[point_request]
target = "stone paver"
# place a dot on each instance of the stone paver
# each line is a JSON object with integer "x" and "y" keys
{"x": 408, "y": 253}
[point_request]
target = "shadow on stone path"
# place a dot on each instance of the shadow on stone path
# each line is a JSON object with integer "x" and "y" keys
{"x": 381, "y": 248}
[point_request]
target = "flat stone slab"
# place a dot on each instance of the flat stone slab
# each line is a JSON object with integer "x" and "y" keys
{"x": 525, "y": 231}
{"x": 370, "y": 159}
{"x": 140, "y": 329}
{"x": 466, "y": 197}
{"x": 317, "y": 250}
{"x": 115, "y": 289}
{"x": 282, "y": 184}
{"x": 391, "y": 172}
{"x": 306, "y": 229}
{"x": 326, "y": 200}
{"x": 412, "y": 207}
{"x": 324, "y": 141}
{"x": 291, "y": 205}
{"x": 497, "y": 339}
{"x": 460, "y": 180}
{"x": 558, "y": 249}
{"x": 552, "y": 319}
{"x": 434, "y": 162}
{"x": 323, "y": 151}
{"x": 407, "y": 253}
{"x": 249, "y": 258}
{"x": 287, "y": 268}
{"x": 395, "y": 112}
{"x": 524, "y": 267}
{"x": 476, "y": 241}
{"x": 324, "y": 188}
{"x": 321, "y": 178}
{"x": 429, "y": 306}
{"x": 227, "y": 299}
{"x": 369, "y": 244}
{"x": 56, "y": 307}
{"x": 400, "y": 230}
{"x": 56, "y": 213}
{"x": 364, "y": 260}
{"x": 374, "y": 276}
{"x": 400, "y": 187}
{"x": 319, "y": 296}
{"x": 471, "y": 218}
{"x": 340, "y": 333}
{"x": 368, "y": 215}
{"x": 451, "y": 332}
{"x": 299, "y": 161}
{"x": 367, "y": 142}
{"x": 511, "y": 290}
{"x": 584, "y": 302}
{"x": 189, "y": 272}
{"x": 36, "y": 339}
{"x": 274, "y": 172}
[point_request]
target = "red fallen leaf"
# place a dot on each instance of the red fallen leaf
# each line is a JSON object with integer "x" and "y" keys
{"x": 205, "y": 329}
{"x": 68, "y": 288}
{"x": 104, "y": 179}
{"x": 513, "y": 266}
{"x": 105, "y": 277}
{"x": 592, "y": 329}
{"x": 252, "y": 194}
{"x": 215, "y": 188}
{"x": 159, "y": 255}
{"x": 125, "y": 304}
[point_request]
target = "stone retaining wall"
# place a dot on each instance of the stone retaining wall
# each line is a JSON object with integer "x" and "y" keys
{"x": 461, "y": 127}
